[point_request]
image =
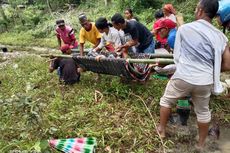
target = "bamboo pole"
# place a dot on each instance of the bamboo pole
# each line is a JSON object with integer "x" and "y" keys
{"x": 145, "y": 61}
{"x": 161, "y": 55}
{"x": 56, "y": 55}
{"x": 152, "y": 61}
{"x": 151, "y": 55}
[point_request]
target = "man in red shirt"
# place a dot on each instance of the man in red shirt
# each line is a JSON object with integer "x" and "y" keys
{"x": 66, "y": 35}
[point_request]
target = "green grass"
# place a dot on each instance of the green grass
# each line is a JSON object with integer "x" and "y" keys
{"x": 26, "y": 39}
{"x": 34, "y": 108}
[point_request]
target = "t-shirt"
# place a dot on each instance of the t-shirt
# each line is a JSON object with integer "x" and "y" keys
{"x": 196, "y": 47}
{"x": 68, "y": 70}
{"x": 138, "y": 31}
{"x": 171, "y": 38}
{"x": 67, "y": 35}
{"x": 92, "y": 36}
{"x": 112, "y": 38}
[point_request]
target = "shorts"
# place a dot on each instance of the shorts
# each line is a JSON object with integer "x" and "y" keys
{"x": 177, "y": 89}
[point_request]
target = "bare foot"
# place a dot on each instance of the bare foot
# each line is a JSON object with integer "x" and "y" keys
{"x": 199, "y": 149}
{"x": 161, "y": 132}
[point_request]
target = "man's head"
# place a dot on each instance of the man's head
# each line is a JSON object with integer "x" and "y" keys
{"x": 168, "y": 9}
{"x": 84, "y": 22}
{"x": 165, "y": 26}
{"x": 118, "y": 21}
{"x": 206, "y": 9}
{"x": 66, "y": 49}
{"x": 128, "y": 13}
{"x": 159, "y": 14}
{"x": 60, "y": 23}
{"x": 102, "y": 24}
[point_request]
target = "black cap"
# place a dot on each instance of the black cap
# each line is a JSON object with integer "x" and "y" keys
{"x": 82, "y": 17}
{"x": 60, "y": 22}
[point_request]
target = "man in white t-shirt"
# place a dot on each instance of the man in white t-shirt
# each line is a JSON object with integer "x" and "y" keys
{"x": 201, "y": 52}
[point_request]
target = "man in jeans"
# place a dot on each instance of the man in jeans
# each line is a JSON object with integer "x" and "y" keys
{"x": 201, "y": 52}
{"x": 140, "y": 36}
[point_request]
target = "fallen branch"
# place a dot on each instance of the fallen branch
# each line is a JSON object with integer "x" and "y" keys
{"x": 96, "y": 96}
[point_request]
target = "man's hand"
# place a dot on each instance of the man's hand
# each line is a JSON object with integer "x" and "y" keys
{"x": 119, "y": 48}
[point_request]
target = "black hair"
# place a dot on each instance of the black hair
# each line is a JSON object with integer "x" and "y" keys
{"x": 102, "y": 23}
{"x": 118, "y": 18}
{"x": 159, "y": 14}
{"x": 60, "y": 21}
{"x": 129, "y": 10}
{"x": 210, "y": 7}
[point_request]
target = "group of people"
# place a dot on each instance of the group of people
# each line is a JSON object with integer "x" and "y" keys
{"x": 124, "y": 35}
{"x": 201, "y": 52}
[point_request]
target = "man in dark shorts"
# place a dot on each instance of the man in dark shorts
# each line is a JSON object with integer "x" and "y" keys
{"x": 67, "y": 69}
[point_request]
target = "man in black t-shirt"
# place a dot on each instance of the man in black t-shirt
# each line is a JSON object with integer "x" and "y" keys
{"x": 139, "y": 35}
{"x": 67, "y": 69}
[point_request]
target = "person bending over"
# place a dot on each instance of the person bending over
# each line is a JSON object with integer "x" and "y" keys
{"x": 88, "y": 32}
{"x": 66, "y": 35}
{"x": 140, "y": 36}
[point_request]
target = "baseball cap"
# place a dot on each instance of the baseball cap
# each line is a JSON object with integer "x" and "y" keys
{"x": 60, "y": 22}
{"x": 224, "y": 11}
{"x": 82, "y": 17}
{"x": 64, "y": 48}
{"x": 166, "y": 23}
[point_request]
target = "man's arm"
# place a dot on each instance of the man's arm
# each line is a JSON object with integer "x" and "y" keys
{"x": 51, "y": 66}
{"x": 98, "y": 42}
{"x": 225, "y": 65}
{"x": 72, "y": 37}
{"x": 101, "y": 44}
{"x": 127, "y": 45}
{"x": 82, "y": 49}
{"x": 59, "y": 41}
{"x": 82, "y": 42}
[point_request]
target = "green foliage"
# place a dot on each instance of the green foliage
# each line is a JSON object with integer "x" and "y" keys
{"x": 138, "y": 5}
